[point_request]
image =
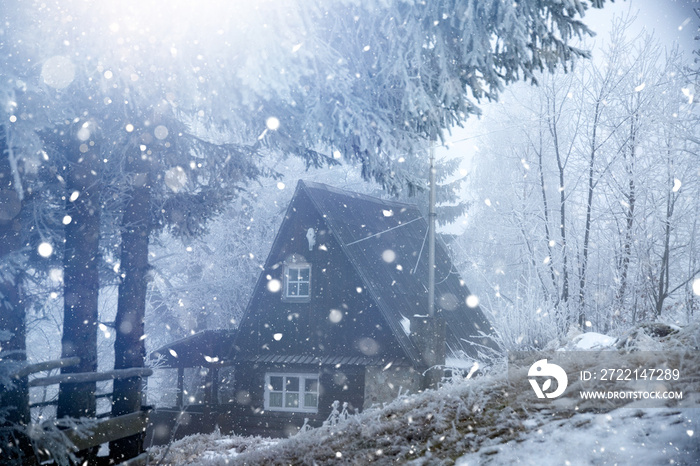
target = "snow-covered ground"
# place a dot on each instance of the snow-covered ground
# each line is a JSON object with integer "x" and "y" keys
{"x": 478, "y": 422}
{"x": 622, "y": 436}
{"x": 592, "y": 340}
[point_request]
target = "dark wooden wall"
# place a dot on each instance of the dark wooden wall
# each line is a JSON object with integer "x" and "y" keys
{"x": 344, "y": 384}
{"x": 246, "y": 415}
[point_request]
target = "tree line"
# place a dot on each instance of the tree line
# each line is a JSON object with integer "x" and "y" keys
{"x": 588, "y": 198}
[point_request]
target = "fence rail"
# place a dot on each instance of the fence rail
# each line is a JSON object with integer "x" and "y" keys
{"x": 82, "y": 377}
{"x": 46, "y": 366}
{"x": 111, "y": 429}
{"x": 106, "y": 429}
{"x": 42, "y": 404}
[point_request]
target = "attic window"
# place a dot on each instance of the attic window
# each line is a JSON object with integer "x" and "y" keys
{"x": 297, "y": 281}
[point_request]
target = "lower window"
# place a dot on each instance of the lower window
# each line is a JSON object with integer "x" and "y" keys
{"x": 291, "y": 392}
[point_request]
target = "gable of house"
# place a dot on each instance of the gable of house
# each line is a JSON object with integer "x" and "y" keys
{"x": 368, "y": 269}
{"x": 337, "y": 318}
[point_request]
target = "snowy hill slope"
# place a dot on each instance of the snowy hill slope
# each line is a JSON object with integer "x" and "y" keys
{"x": 433, "y": 425}
{"x": 478, "y": 421}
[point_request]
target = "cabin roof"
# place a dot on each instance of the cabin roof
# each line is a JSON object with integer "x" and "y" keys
{"x": 203, "y": 348}
{"x": 320, "y": 360}
{"x": 385, "y": 240}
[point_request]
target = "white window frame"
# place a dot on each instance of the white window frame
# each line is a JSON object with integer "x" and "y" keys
{"x": 302, "y": 408}
{"x": 297, "y": 266}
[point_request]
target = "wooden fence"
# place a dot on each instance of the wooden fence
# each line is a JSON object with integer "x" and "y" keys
{"x": 105, "y": 429}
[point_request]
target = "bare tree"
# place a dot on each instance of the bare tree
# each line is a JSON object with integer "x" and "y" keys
{"x": 610, "y": 222}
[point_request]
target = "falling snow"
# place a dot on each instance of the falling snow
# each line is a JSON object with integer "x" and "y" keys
{"x": 147, "y": 158}
{"x": 45, "y": 249}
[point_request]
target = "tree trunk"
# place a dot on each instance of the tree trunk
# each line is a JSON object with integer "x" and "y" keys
{"x": 547, "y": 235}
{"x": 129, "y": 348}
{"x": 562, "y": 230}
{"x": 664, "y": 279}
{"x": 665, "y": 272}
{"x": 562, "y": 210}
{"x": 629, "y": 217}
{"x": 12, "y": 315}
{"x": 690, "y": 299}
{"x": 587, "y": 228}
{"x": 80, "y": 275}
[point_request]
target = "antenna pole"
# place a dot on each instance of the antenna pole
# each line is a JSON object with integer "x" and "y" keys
{"x": 431, "y": 234}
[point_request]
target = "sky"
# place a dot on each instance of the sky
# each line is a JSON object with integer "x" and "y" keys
{"x": 671, "y": 20}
